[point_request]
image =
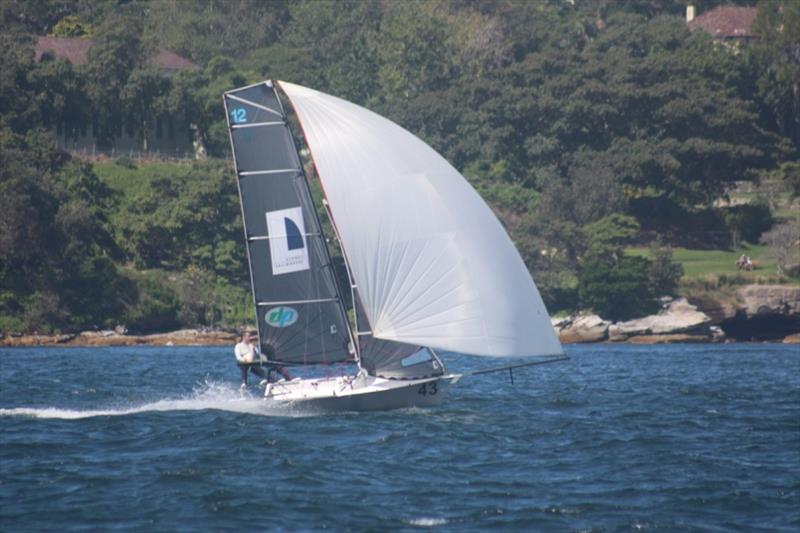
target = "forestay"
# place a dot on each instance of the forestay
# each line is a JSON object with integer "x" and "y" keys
{"x": 432, "y": 263}
{"x": 300, "y": 315}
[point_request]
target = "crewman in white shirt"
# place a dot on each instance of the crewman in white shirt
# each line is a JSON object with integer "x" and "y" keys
{"x": 248, "y": 358}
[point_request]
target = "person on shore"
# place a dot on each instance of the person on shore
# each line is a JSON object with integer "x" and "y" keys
{"x": 745, "y": 263}
{"x": 248, "y": 358}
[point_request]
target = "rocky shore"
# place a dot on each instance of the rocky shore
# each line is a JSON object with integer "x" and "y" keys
{"x": 758, "y": 313}
{"x": 184, "y": 337}
{"x": 678, "y": 321}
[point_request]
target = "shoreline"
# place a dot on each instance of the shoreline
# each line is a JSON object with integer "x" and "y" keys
{"x": 225, "y": 338}
{"x": 183, "y": 337}
{"x": 760, "y": 314}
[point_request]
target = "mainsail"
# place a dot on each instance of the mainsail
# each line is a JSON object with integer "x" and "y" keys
{"x": 299, "y": 310}
{"x": 432, "y": 264}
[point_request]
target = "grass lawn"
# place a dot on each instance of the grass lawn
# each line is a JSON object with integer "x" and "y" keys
{"x": 703, "y": 263}
{"x": 130, "y": 180}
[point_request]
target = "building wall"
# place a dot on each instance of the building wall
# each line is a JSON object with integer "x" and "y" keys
{"x": 166, "y": 138}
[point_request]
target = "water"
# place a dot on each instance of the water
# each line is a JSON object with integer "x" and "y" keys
{"x": 682, "y": 437}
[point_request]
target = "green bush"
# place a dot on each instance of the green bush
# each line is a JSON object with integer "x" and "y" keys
{"x": 559, "y": 298}
{"x": 156, "y": 309}
{"x": 665, "y": 274}
{"x": 617, "y": 291}
{"x": 748, "y": 221}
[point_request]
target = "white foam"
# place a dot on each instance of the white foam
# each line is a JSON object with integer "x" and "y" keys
{"x": 427, "y": 522}
{"x": 209, "y": 395}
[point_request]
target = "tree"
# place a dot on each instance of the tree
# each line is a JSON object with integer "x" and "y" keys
{"x": 186, "y": 218}
{"x": 776, "y": 57}
{"x": 195, "y": 97}
{"x": 618, "y": 291}
{"x": 784, "y": 240}
{"x": 117, "y": 51}
{"x": 56, "y": 250}
{"x": 72, "y": 26}
{"x": 337, "y": 41}
{"x": 33, "y": 16}
{"x": 664, "y": 274}
{"x": 142, "y": 99}
{"x": 205, "y": 29}
{"x": 18, "y": 109}
{"x": 411, "y": 48}
{"x": 605, "y": 239}
{"x": 616, "y": 286}
{"x": 59, "y": 93}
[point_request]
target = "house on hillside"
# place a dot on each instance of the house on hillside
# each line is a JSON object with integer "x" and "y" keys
{"x": 727, "y": 25}
{"x": 165, "y": 138}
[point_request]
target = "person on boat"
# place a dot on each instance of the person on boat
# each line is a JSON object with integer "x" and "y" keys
{"x": 248, "y": 358}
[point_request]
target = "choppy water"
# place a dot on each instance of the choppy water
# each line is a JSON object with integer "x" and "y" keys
{"x": 618, "y": 438}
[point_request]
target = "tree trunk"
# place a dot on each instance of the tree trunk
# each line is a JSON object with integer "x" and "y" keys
{"x": 198, "y": 144}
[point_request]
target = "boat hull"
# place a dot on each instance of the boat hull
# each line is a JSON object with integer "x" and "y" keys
{"x": 360, "y": 393}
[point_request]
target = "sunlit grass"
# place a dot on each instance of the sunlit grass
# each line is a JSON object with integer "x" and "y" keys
{"x": 702, "y": 263}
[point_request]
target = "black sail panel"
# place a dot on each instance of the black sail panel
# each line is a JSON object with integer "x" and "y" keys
{"x": 299, "y": 312}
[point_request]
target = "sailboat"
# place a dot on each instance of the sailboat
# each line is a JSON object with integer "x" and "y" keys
{"x": 430, "y": 268}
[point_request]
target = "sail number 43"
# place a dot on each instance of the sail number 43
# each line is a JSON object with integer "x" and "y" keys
{"x": 428, "y": 389}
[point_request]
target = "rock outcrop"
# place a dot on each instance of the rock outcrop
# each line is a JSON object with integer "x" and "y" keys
{"x": 755, "y": 300}
{"x": 763, "y": 312}
{"x": 581, "y": 328}
{"x": 679, "y": 321}
{"x": 185, "y": 337}
{"x": 792, "y": 339}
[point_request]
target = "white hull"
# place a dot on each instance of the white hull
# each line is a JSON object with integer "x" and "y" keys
{"x": 360, "y": 393}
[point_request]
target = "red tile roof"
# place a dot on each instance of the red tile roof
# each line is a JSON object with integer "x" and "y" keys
{"x": 69, "y": 48}
{"x": 74, "y": 50}
{"x": 727, "y": 21}
{"x": 168, "y": 60}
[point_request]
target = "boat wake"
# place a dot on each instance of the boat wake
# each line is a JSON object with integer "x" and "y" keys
{"x": 206, "y": 396}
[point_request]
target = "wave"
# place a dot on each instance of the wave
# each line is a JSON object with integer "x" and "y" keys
{"x": 426, "y": 522}
{"x": 206, "y": 396}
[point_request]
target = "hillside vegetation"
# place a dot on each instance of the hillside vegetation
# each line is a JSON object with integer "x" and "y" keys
{"x": 628, "y": 157}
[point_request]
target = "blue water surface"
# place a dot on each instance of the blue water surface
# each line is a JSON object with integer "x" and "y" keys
{"x": 679, "y": 437}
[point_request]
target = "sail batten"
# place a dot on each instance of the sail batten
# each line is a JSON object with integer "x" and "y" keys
{"x": 433, "y": 265}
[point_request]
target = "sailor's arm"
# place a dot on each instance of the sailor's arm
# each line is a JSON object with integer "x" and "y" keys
{"x": 257, "y": 355}
{"x": 243, "y": 352}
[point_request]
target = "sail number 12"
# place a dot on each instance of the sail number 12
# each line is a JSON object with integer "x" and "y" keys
{"x": 239, "y": 115}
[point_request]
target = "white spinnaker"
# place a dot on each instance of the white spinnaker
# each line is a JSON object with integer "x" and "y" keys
{"x": 433, "y": 265}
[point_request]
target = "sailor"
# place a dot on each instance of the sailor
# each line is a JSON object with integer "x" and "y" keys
{"x": 249, "y": 358}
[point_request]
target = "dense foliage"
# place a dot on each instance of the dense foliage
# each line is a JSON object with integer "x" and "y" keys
{"x": 587, "y": 125}
{"x": 56, "y": 248}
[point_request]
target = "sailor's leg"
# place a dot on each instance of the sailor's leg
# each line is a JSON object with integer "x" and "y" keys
{"x": 243, "y": 369}
{"x": 285, "y": 373}
{"x": 259, "y": 371}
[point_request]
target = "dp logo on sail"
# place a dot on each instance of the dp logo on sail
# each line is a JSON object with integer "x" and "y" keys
{"x": 281, "y": 317}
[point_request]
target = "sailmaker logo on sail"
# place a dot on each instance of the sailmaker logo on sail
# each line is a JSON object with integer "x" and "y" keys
{"x": 281, "y": 317}
{"x": 287, "y": 243}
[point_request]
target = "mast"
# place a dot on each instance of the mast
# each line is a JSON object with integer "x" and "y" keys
{"x": 299, "y": 309}
{"x": 353, "y": 336}
{"x": 354, "y": 333}
{"x": 241, "y": 208}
